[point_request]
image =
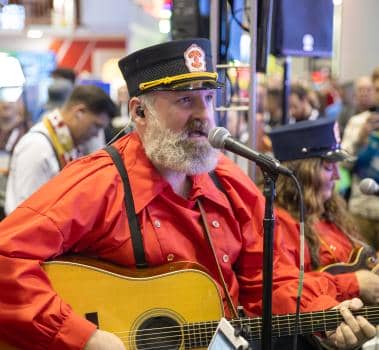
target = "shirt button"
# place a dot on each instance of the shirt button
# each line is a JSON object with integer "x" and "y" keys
{"x": 225, "y": 258}
{"x": 157, "y": 223}
{"x": 215, "y": 224}
{"x": 170, "y": 257}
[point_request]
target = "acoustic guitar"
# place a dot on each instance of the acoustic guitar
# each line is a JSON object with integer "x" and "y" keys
{"x": 177, "y": 306}
{"x": 361, "y": 258}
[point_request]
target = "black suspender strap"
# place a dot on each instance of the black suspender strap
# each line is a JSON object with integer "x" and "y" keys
{"x": 135, "y": 231}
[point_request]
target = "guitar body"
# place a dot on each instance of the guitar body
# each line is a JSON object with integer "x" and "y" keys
{"x": 173, "y": 307}
{"x": 129, "y": 302}
{"x": 362, "y": 258}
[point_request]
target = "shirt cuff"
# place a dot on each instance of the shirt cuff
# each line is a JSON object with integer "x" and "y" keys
{"x": 74, "y": 333}
{"x": 347, "y": 286}
{"x": 323, "y": 302}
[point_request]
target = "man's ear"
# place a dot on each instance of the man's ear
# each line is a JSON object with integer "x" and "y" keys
{"x": 78, "y": 110}
{"x": 137, "y": 111}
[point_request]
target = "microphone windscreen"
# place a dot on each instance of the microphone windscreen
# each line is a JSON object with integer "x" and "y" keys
{"x": 217, "y": 137}
{"x": 368, "y": 186}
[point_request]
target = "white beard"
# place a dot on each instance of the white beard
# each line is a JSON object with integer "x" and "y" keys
{"x": 175, "y": 151}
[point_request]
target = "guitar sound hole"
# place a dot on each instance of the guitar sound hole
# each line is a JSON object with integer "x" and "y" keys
{"x": 159, "y": 332}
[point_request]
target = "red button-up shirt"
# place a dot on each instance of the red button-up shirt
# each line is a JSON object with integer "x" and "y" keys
{"x": 335, "y": 247}
{"x": 82, "y": 210}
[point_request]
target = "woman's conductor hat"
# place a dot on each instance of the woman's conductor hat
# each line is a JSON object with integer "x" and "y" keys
{"x": 174, "y": 65}
{"x": 308, "y": 139}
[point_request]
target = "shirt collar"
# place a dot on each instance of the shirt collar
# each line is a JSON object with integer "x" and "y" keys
{"x": 147, "y": 183}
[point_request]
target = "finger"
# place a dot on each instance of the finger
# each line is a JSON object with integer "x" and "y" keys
{"x": 367, "y": 329}
{"x": 345, "y": 337}
{"x": 350, "y": 320}
{"x": 345, "y": 303}
{"x": 354, "y": 304}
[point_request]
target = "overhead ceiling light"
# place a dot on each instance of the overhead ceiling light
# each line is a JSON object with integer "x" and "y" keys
{"x": 12, "y": 78}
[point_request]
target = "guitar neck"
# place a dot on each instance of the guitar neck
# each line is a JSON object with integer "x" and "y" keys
{"x": 200, "y": 334}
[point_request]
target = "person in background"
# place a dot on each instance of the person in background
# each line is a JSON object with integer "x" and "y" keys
{"x": 63, "y": 81}
{"x": 64, "y": 73}
{"x": 300, "y": 106}
{"x": 177, "y": 204}
{"x": 57, "y": 94}
{"x": 363, "y": 100}
{"x": 274, "y": 107}
{"x": 361, "y": 140}
{"x": 311, "y": 149}
{"x": 56, "y": 140}
{"x": 120, "y": 124}
{"x": 13, "y": 126}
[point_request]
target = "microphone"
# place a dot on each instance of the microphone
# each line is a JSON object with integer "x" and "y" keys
{"x": 221, "y": 138}
{"x": 369, "y": 186}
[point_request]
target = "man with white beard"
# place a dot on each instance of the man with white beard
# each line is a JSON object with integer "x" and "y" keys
{"x": 159, "y": 195}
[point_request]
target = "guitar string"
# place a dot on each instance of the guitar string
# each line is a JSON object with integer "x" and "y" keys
{"x": 307, "y": 320}
{"x": 255, "y": 329}
{"x": 208, "y": 332}
{"x": 197, "y": 342}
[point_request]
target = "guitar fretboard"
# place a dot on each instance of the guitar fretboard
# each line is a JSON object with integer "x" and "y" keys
{"x": 200, "y": 334}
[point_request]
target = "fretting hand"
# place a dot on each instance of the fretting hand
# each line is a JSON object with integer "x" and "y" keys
{"x": 354, "y": 331}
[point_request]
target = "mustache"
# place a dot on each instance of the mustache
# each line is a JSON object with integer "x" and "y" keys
{"x": 197, "y": 126}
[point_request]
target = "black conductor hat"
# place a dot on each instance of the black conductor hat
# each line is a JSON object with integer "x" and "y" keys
{"x": 174, "y": 65}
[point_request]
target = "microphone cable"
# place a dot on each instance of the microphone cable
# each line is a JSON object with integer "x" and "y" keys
{"x": 126, "y": 129}
{"x": 301, "y": 259}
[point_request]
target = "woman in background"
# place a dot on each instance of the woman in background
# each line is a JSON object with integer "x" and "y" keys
{"x": 311, "y": 150}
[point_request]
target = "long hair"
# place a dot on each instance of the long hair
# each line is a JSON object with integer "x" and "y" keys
{"x": 333, "y": 210}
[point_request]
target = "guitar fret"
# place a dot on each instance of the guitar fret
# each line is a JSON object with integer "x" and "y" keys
{"x": 289, "y": 324}
{"x": 211, "y": 329}
{"x": 185, "y": 335}
{"x": 197, "y": 335}
{"x": 203, "y": 333}
{"x": 324, "y": 319}
{"x": 311, "y": 314}
{"x": 191, "y": 337}
{"x": 278, "y": 325}
{"x": 200, "y": 334}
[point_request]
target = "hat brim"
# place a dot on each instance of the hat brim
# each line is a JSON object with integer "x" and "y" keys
{"x": 337, "y": 155}
{"x": 188, "y": 86}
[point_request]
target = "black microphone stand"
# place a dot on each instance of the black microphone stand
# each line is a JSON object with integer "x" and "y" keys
{"x": 270, "y": 178}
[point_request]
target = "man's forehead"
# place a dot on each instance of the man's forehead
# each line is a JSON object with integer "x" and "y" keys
{"x": 176, "y": 93}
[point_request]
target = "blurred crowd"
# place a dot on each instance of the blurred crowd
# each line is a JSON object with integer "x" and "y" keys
{"x": 75, "y": 120}
{"x": 354, "y": 105}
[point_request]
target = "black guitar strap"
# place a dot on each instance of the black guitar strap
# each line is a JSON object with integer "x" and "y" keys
{"x": 135, "y": 231}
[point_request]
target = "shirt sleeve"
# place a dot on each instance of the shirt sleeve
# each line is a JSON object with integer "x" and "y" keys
{"x": 54, "y": 220}
{"x": 347, "y": 285}
{"x": 29, "y": 306}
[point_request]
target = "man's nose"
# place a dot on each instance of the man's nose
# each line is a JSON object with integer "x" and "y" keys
{"x": 204, "y": 109}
